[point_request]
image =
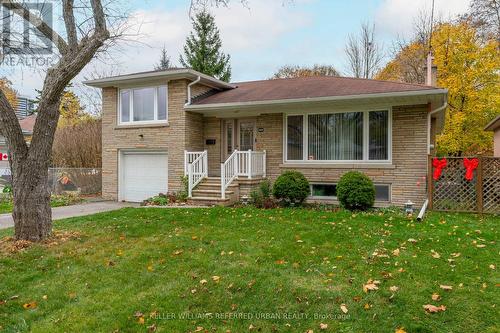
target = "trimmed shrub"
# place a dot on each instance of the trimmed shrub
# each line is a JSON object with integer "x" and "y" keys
{"x": 261, "y": 197}
{"x": 291, "y": 187}
{"x": 355, "y": 191}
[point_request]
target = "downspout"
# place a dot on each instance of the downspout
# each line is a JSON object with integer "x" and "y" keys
{"x": 429, "y": 116}
{"x": 189, "y": 90}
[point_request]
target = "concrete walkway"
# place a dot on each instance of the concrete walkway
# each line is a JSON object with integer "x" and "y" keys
{"x": 58, "y": 213}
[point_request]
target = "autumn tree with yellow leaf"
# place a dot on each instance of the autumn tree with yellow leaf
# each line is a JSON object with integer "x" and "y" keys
{"x": 468, "y": 67}
{"x": 9, "y": 92}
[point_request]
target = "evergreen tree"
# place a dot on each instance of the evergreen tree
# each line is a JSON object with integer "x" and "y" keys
{"x": 164, "y": 61}
{"x": 202, "y": 51}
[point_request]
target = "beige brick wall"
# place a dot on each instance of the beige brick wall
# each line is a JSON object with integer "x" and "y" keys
{"x": 406, "y": 176}
{"x": 212, "y": 130}
{"x": 184, "y": 131}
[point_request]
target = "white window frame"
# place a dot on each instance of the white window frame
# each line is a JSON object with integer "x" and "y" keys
{"x": 131, "y": 106}
{"x": 323, "y": 197}
{"x": 366, "y": 137}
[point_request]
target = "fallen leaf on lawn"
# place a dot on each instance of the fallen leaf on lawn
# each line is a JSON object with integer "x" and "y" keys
{"x": 411, "y": 240}
{"x": 194, "y": 237}
{"x": 251, "y": 283}
{"x": 356, "y": 298}
{"x": 435, "y": 255}
{"x": 122, "y": 237}
{"x": 119, "y": 253}
{"x": 370, "y": 285}
{"x": 395, "y": 252}
{"x": 480, "y": 246}
{"x": 193, "y": 291}
{"x": 152, "y": 328}
{"x": 433, "y": 309}
{"x": 323, "y": 326}
{"x": 492, "y": 266}
{"x": 295, "y": 265}
{"x": 251, "y": 327}
{"x": 455, "y": 255}
{"x": 203, "y": 281}
{"x": 2, "y": 302}
{"x": 44, "y": 297}
{"x": 343, "y": 308}
{"x": 198, "y": 329}
{"x": 400, "y": 330}
{"x": 444, "y": 287}
{"x": 309, "y": 331}
{"x": 30, "y": 305}
{"x": 393, "y": 288}
{"x": 280, "y": 262}
{"x": 234, "y": 306}
{"x": 72, "y": 295}
{"x": 215, "y": 278}
{"x": 436, "y": 297}
{"x": 150, "y": 268}
{"x": 14, "y": 297}
{"x": 178, "y": 252}
{"x": 367, "y": 306}
{"x": 140, "y": 320}
{"x": 110, "y": 263}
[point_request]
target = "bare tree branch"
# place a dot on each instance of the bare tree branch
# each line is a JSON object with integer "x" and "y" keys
{"x": 69, "y": 21}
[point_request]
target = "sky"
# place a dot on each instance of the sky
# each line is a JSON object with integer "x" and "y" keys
{"x": 260, "y": 37}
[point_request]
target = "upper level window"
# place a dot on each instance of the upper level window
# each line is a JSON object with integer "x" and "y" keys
{"x": 143, "y": 104}
{"x": 341, "y": 136}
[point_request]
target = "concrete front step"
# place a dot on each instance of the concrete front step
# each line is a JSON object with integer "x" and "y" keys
{"x": 209, "y": 201}
{"x": 209, "y": 193}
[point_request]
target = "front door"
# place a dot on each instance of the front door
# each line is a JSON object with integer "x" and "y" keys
{"x": 246, "y": 134}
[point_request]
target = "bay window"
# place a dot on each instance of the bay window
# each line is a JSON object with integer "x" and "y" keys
{"x": 148, "y": 104}
{"x": 342, "y": 136}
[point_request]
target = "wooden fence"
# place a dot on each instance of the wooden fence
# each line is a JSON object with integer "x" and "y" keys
{"x": 454, "y": 190}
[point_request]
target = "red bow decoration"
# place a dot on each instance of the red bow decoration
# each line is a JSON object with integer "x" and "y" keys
{"x": 438, "y": 165}
{"x": 470, "y": 166}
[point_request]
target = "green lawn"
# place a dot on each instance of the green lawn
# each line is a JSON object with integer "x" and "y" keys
{"x": 55, "y": 201}
{"x": 179, "y": 269}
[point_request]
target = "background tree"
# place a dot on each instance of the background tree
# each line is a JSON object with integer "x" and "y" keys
{"x": 203, "y": 48}
{"x": 10, "y": 94}
{"x": 70, "y": 109}
{"x": 164, "y": 61}
{"x": 468, "y": 68}
{"x": 290, "y": 71}
{"x": 485, "y": 14}
{"x": 78, "y": 145}
{"x": 364, "y": 54}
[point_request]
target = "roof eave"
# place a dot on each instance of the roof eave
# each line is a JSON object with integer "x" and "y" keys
{"x": 493, "y": 125}
{"x": 169, "y": 75}
{"x": 221, "y": 106}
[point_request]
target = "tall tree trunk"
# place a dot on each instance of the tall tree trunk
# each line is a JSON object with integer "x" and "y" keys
{"x": 32, "y": 214}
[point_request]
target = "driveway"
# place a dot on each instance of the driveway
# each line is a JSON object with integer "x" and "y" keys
{"x": 58, "y": 213}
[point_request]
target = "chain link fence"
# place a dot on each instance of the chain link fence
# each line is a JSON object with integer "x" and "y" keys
{"x": 84, "y": 181}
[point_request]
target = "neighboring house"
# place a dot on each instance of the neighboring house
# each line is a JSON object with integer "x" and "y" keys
{"x": 25, "y": 106}
{"x": 494, "y": 126}
{"x": 27, "y": 125}
{"x": 158, "y": 126}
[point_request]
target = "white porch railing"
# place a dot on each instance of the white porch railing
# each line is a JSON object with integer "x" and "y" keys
{"x": 228, "y": 172}
{"x": 252, "y": 163}
{"x": 189, "y": 157}
{"x": 242, "y": 163}
{"x": 196, "y": 170}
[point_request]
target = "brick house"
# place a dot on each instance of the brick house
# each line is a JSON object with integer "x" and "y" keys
{"x": 162, "y": 125}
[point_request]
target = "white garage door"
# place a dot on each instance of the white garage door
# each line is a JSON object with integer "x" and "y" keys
{"x": 143, "y": 175}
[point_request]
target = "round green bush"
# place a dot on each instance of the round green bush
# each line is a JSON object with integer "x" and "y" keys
{"x": 291, "y": 187}
{"x": 355, "y": 191}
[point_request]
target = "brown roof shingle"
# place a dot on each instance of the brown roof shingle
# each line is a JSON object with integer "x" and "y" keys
{"x": 306, "y": 87}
